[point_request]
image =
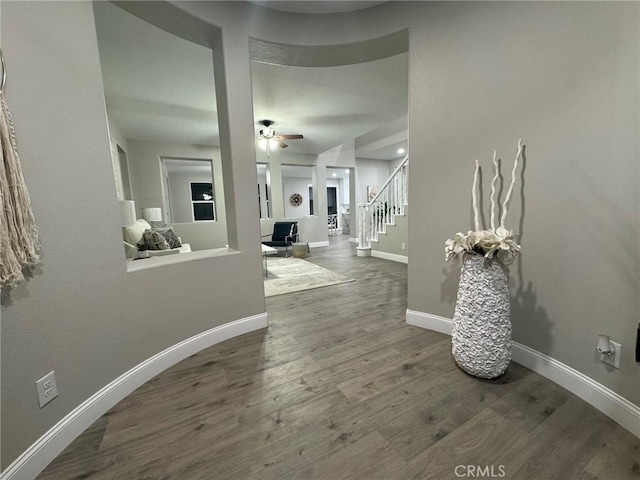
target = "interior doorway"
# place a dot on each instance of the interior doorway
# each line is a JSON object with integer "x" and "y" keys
{"x": 332, "y": 200}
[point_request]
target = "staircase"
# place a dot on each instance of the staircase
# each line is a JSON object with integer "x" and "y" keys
{"x": 382, "y": 211}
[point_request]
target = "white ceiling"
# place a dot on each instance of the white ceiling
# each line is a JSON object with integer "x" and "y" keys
{"x": 161, "y": 87}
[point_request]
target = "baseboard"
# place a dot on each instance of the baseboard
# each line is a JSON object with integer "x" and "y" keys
{"x": 51, "y": 444}
{"x": 607, "y": 401}
{"x": 389, "y": 256}
{"x": 353, "y": 240}
{"x": 319, "y": 244}
{"x": 429, "y": 321}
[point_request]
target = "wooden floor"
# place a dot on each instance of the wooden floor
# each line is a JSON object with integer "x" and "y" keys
{"x": 339, "y": 387}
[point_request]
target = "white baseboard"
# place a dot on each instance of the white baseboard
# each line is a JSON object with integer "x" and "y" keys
{"x": 353, "y": 240}
{"x": 607, "y": 401}
{"x": 319, "y": 244}
{"x": 51, "y": 444}
{"x": 389, "y": 256}
{"x": 429, "y": 321}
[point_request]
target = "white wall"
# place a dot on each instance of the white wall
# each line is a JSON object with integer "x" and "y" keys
{"x": 180, "y": 188}
{"x": 117, "y": 139}
{"x": 370, "y": 172}
{"x": 393, "y": 164}
{"x": 563, "y": 76}
{"x": 146, "y": 183}
{"x": 296, "y": 185}
{"x": 80, "y": 312}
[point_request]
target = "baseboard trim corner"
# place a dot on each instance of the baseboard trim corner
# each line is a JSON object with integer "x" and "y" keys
{"x": 616, "y": 407}
{"x": 35, "y": 459}
{"x": 390, "y": 256}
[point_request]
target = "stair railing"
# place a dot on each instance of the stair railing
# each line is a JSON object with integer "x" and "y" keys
{"x": 390, "y": 200}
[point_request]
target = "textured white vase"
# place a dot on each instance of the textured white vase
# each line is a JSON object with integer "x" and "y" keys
{"x": 481, "y": 336}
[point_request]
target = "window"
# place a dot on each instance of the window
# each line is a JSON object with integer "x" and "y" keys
{"x": 202, "y": 201}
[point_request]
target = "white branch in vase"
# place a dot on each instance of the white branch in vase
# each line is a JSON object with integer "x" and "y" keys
{"x": 474, "y": 196}
{"x": 513, "y": 181}
{"x": 493, "y": 192}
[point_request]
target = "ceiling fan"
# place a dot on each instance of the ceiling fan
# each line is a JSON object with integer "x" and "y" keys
{"x": 268, "y": 138}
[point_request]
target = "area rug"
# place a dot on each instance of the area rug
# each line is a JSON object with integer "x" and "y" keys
{"x": 288, "y": 275}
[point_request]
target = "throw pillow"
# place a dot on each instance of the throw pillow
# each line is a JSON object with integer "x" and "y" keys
{"x": 133, "y": 233}
{"x": 170, "y": 236}
{"x": 154, "y": 241}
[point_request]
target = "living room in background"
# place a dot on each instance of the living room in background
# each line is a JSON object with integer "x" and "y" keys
{"x": 163, "y": 123}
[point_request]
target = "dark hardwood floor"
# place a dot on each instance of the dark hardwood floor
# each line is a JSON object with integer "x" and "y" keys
{"x": 339, "y": 387}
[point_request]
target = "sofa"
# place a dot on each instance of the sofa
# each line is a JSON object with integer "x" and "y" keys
{"x": 142, "y": 240}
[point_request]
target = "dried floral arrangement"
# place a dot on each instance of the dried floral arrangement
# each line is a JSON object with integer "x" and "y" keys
{"x": 498, "y": 242}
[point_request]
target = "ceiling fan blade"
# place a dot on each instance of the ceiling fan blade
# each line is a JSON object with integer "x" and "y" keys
{"x": 289, "y": 137}
{"x": 281, "y": 144}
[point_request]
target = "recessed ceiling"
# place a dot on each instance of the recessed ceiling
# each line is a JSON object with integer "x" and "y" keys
{"x": 315, "y": 7}
{"x": 159, "y": 87}
{"x": 329, "y": 105}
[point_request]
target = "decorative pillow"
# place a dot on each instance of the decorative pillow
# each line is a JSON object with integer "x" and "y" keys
{"x": 133, "y": 233}
{"x": 153, "y": 241}
{"x": 170, "y": 236}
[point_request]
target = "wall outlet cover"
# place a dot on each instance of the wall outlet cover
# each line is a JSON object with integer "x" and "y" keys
{"x": 47, "y": 388}
{"x": 614, "y": 360}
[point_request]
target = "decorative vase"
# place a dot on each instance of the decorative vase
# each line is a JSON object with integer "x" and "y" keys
{"x": 481, "y": 336}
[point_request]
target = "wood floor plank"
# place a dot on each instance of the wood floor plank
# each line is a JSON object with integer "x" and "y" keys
{"x": 340, "y": 387}
{"x": 574, "y": 442}
{"x": 354, "y": 461}
{"x": 531, "y": 401}
{"x": 487, "y": 440}
{"x": 618, "y": 457}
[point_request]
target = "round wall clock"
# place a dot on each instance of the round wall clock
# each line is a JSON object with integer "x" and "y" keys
{"x": 295, "y": 199}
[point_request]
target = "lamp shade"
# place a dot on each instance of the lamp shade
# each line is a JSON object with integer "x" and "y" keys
{"x": 127, "y": 212}
{"x": 152, "y": 214}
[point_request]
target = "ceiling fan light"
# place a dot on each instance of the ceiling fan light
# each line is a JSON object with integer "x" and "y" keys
{"x": 262, "y": 143}
{"x": 273, "y": 143}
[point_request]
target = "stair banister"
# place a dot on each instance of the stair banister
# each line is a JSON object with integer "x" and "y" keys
{"x": 379, "y": 212}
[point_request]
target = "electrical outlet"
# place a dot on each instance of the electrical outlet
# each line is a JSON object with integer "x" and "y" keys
{"x": 614, "y": 358}
{"x": 404, "y": 246}
{"x": 47, "y": 388}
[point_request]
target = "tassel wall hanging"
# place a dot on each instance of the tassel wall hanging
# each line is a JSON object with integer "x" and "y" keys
{"x": 19, "y": 242}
